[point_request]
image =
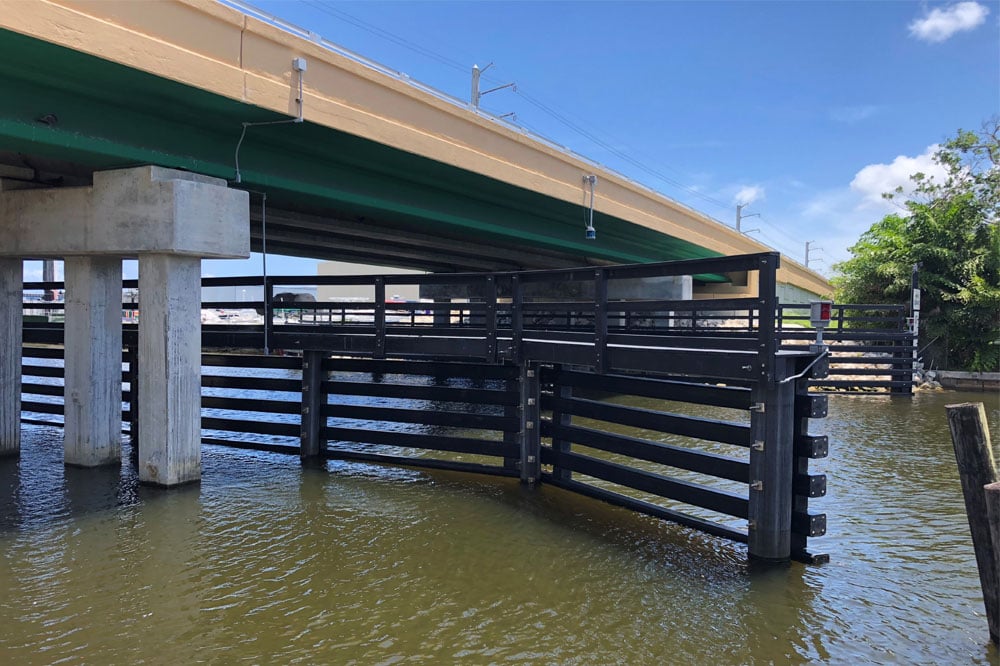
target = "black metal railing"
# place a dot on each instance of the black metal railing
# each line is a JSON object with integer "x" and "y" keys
{"x": 871, "y": 346}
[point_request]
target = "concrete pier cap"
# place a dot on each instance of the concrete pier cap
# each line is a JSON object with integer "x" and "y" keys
{"x": 169, "y": 219}
{"x": 129, "y": 212}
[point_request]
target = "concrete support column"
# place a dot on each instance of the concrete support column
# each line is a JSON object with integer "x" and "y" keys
{"x": 93, "y": 393}
{"x": 170, "y": 220}
{"x": 11, "y": 291}
{"x": 170, "y": 373}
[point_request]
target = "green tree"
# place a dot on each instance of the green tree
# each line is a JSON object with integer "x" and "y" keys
{"x": 951, "y": 229}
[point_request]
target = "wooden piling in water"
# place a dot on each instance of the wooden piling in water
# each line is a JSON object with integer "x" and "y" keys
{"x": 992, "y": 492}
{"x": 976, "y": 469}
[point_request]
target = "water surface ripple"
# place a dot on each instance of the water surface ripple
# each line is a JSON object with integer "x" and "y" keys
{"x": 265, "y": 562}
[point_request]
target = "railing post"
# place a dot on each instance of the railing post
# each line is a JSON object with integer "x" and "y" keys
{"x": 902, "y": 360}
{"x": 771, "y": 423}
{"x": 771, "y": 453}
{"x": 268, "y": 314}
{"x": 600, "y": 321}
{"x": 313, "y": 400}
{"x": 379, "y": 351}
{"x": 531, "y": 441}
{"x": 516, "y": 318}
{"x": 767, "y": 298}
{"x": 491, "y": 319}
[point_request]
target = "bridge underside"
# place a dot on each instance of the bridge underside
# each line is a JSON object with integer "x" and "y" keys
{"x": 329, "y": 195}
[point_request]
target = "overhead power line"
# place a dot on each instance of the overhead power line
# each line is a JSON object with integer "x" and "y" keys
{"x": 645, "y": 168}
{"x": 328, "y": 9}
{"x": 561, "y": 117}
{"x": 565, "y": 118}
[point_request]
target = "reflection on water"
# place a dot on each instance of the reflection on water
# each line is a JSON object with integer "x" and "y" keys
{"x": 265, "y": 562}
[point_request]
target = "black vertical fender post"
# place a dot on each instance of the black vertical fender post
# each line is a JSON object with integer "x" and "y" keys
{"x": 531, "y": 440}
{"x": 807, "y": 486}
{"x": 491, "y": 319}
{"x": 516, "y": 318}
{"x": 313, "y": 400}
{"x": 600, "y": 321}
{"x": 903, "y": 360}
{"x": 767, "y": 334}
{"x": 771, "y": 423}
{"x": 379, "y": 351}
{"x": 268, "y": 314}
{"x": 771, "y": 466}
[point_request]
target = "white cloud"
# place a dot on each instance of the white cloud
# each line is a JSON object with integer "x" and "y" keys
{"x": 747, "y": 194}
{"x": 836, "y": 218}
{"x": 875, "y": 179}
{"x": 938, "y": 25}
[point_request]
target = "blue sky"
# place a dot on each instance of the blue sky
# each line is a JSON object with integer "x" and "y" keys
{"x": 806, "y": 110}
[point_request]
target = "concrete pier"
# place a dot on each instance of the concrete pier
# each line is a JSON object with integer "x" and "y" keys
{"x": 93, "y": 334}
{"x": 170, "y": 371}
{"x": 168, "y": 219}
{"x": 11, "y": 281}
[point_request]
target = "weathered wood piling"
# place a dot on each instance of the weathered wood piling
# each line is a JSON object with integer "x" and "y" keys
{"x": 977, "y": 471}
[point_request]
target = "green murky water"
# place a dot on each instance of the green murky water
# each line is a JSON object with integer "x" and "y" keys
{"x": 267, "y": 563}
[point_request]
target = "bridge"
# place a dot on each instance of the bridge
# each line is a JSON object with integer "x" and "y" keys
{"x": 175, "y": 131}
{"x": 380, "y": 170}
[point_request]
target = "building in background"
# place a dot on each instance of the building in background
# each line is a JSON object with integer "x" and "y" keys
{"x": 325, "y": 293}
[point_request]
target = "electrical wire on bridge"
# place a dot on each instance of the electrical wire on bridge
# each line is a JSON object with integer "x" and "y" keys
{"x": 598, "y": 138}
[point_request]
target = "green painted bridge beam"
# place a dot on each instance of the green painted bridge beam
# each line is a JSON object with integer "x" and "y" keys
{"x": 106, "y": 115}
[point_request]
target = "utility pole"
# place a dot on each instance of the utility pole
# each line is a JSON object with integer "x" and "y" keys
{"x": 475, "y": 95}
{"x": 808, "y": 247}
{"x": 740, "y": 216}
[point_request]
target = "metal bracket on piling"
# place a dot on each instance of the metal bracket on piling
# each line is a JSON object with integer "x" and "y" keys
{"x": 530, "y": 437}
